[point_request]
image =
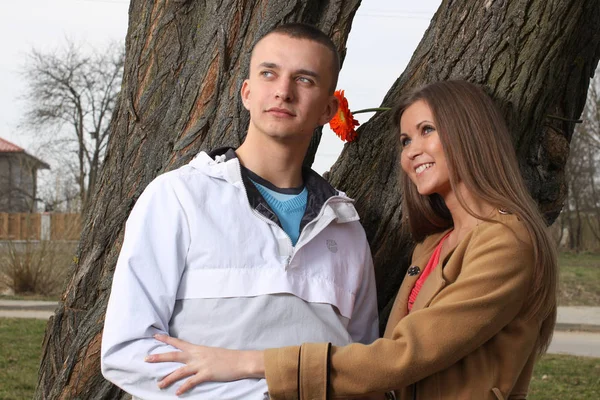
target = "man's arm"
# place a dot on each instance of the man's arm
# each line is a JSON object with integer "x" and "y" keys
{"x": 364, "y": 324}
{"x": 144, "y": 289}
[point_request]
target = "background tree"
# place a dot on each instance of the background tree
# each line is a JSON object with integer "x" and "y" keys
{"x": 71, "y": 96}
{"x": 184, "y": 67}
{"x": 580, "y": 218}
{"x": 576, "y": 177}
{"x": 58, "y": 190}
{"x": 591, "y": 130}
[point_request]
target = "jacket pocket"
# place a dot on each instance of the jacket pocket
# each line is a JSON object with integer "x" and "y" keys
{"x": 498, "y": 393}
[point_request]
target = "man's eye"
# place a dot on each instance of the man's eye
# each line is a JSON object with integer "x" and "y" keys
{"x": 304, "y": 79}
{"x": 266, "y": 74}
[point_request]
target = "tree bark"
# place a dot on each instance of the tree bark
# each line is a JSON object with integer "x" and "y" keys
{"x": 184, "y": 66}
{"x": 185, "y": 63}
{"x": 536, "y": 58}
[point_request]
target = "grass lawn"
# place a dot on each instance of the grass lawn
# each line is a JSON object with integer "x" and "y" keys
{"x": 20, "y": 351}
{"x": 579, "y": 283}
{"x": 566, "y": 378}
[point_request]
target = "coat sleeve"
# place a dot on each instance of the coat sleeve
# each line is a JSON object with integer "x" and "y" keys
{"x": 489, "y": 292}
{"x": 143, "y": 294}
{"x": 364, "y": 324}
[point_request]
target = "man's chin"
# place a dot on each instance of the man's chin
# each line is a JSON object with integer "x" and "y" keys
{"x": 289, "y": 137}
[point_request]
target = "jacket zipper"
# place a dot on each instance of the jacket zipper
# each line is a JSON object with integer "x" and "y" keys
{"x": 268, "y": 221}
{"x": 265, "y": 219}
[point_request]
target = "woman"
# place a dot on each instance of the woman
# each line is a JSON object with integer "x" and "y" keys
{"x": 478, "y": 303}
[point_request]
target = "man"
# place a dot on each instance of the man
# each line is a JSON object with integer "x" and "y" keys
{"x": 244, "y": 249}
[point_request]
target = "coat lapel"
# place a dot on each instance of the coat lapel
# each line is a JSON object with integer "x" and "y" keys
{"x": 434, "y": 283}
{"x": 400, "y": 308}
{"x": 431, "y": 287}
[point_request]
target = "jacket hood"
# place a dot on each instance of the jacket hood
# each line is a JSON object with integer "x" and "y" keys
{"x": 217, "y": 163}
{"x": 221, "y": 163}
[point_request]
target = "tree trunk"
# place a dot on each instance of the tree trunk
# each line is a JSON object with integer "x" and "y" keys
{"x": 184, "y": 67}
{"x": 536, "y": 58}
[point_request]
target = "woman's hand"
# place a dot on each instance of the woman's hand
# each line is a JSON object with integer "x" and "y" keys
{"x": 206, "y": 364}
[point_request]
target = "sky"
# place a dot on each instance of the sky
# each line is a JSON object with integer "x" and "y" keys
{"x": 383, "y": 37}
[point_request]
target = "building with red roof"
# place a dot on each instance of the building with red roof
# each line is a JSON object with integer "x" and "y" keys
{"x": 18, "y": 178}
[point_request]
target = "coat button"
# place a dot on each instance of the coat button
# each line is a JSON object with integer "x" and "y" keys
{"x": 414, "y": 270}
{"x": 390, "y": 395}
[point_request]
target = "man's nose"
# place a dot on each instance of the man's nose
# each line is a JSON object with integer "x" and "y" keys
{"x": 285, "y": 90}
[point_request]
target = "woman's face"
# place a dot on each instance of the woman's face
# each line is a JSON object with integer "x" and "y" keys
{"x": 422, "y": 157}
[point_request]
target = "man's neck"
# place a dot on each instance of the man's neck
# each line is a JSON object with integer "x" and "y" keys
{"x": 278, "y": 163}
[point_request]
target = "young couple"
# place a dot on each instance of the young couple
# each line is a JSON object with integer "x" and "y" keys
{"x": 244, "y": 276}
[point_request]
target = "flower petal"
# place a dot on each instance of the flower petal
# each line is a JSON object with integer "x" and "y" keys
{"x": 343, "y": 122}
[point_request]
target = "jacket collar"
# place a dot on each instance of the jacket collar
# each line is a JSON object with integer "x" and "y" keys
{"x": 223, "y": 163}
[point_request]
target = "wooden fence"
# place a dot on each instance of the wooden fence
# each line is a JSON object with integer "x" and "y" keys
{"x": 44, "y": 226}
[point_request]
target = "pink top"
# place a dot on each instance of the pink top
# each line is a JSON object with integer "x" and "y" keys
{"x": 433, "y": 261}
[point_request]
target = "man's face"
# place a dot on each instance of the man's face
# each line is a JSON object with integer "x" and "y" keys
{"x": 288, "y": 92}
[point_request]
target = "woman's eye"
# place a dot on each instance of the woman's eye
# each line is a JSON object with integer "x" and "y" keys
{"x": 404, "y": 141}
{"x": 428, "y": 129}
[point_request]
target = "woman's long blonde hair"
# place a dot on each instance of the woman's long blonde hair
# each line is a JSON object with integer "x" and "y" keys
{"x": 480, "y": 154}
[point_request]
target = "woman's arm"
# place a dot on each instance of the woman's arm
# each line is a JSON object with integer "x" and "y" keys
{"x": 487, "y": 295}
{"x": 207, "y": 364}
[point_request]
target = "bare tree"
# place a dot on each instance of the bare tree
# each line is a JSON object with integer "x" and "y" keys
{"x": 582, "y": 207}
{"x": 576, "y": 177}
{"x": 58, "y": 189}
{"x": 591, "y": 130}
{"x": 72, "y": 94}
{"x": 185, "y": 63}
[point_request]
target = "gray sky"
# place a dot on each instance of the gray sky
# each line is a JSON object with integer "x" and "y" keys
{"x": 383, "y": 37}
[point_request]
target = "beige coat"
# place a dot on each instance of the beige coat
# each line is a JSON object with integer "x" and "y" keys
{"x": 467, "y": 336}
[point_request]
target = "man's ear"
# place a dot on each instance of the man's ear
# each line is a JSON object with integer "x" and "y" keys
{"x": 245, "y": 93}
{"x": 332, "y": 107}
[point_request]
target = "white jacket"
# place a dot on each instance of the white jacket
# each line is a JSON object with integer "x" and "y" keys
{"x": 203, "y": 260}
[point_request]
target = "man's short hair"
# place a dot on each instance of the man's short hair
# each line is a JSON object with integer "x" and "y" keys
{"x": 298, "y": 30}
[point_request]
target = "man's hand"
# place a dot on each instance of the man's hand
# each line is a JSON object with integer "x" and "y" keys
{"x": 207, "y": 364}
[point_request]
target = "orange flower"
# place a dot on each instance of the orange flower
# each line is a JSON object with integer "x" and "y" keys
{"x": 343, "y": 121}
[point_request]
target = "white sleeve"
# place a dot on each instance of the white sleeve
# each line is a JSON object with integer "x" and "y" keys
{"x": 144, "y": 288}
{"x": 364, "y": 324}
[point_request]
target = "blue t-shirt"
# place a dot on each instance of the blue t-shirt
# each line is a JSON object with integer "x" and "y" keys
{"x": 288, "y": 204}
